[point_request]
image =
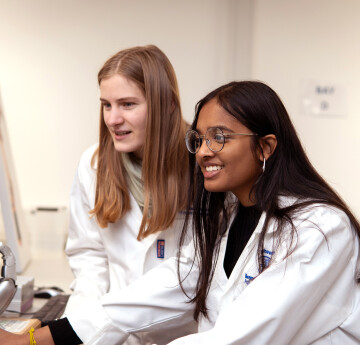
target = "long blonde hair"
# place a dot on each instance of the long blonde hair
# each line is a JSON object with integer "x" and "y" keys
{"x": 165, "y": 160}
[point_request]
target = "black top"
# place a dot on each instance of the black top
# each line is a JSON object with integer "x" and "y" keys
{"x": 240, "y": 232}
{"x": 63, "y": 333}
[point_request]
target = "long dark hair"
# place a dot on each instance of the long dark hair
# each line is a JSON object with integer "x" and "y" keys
{"x": 288, "y": 172}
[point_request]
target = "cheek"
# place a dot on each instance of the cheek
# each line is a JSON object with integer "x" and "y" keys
{"x": 143, "y": 126}
{"x": 139, "y": 128}
{"x": 245, "y": 167}
{"x": 142, "y": 118}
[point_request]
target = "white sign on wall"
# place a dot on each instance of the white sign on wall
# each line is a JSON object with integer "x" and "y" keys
{"x": 323, "y": 99}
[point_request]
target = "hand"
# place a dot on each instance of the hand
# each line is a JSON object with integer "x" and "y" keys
{"x": 7, "y": 338}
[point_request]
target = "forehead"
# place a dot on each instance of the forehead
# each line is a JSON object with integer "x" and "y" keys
{"x": 214, "y": 115}
{"x": 119, "y": 84}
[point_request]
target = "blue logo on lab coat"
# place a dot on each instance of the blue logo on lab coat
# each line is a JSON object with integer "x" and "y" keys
{"x": 267, "y": 255}
{"x": 248, "y": 279}
{"x": 160, "y": 249}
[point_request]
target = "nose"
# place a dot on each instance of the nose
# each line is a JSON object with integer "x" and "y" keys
{"x": 113, "y": 117}
{"x": 204, "y": 150}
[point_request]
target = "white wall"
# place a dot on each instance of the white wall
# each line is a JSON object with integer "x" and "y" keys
{"x": 296, "y": 40}
{"x": 51, "y": 51}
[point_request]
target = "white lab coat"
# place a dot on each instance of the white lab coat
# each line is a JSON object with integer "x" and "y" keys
{"x": 309, "y": 298}
{"x": 107, "y": 260}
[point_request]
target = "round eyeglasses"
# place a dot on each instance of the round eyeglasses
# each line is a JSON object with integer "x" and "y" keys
{"x": 214, "y": 138}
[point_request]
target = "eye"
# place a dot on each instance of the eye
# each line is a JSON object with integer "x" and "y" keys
{"x": 106, "y": 105}
{"x": 128, "y": 105}
{"x": 218, "y": 137}
{"x": 215, "y": 135}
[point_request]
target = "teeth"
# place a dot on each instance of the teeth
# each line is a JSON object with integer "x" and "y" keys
{"x": 213, "y": 168}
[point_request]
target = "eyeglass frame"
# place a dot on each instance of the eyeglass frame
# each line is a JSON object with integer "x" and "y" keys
{"x": 201, "y": 137}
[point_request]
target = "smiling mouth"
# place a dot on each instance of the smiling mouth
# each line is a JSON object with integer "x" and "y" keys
{"x": 120, "y": 133}
{"x": 213, "y": 168}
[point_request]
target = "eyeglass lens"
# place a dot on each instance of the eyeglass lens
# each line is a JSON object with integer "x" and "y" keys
{"x": 193, "y": 141}
{"x": 214, "y": 140}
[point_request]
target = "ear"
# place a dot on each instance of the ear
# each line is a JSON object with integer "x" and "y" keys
{"x": 268, "y": 145}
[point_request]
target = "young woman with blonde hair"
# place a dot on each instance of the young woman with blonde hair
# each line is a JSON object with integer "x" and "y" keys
{"x": 138, "y": 193}
{"x": 128, "y": 195}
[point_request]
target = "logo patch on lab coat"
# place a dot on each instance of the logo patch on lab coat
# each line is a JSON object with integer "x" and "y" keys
{"x": 248, "y": 279}
{"x": 160, "y": 249}
{"x": 267, "y": 255}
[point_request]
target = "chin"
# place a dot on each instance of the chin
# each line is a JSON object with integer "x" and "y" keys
{"x": 213, "y": 188}
{"x": 135, "y": 149}
{"x": 120, "y": 147}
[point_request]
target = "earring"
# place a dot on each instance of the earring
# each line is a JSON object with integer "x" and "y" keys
{"x": 263, "y": 167}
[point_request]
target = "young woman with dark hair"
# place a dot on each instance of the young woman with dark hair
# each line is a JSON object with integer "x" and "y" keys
{"x": 276, "y": 249}
{"x": 287, "y": 270}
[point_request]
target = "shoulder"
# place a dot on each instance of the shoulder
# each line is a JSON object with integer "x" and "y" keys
{"x": 317, "y": 213}
{"x": 86, "y": 158}
{"x": 318, "y": 220}
{"x": 326, "y": 217}
{"x": 85, "y": 168}
{"x": 320, "y": 232}
{"x": 324, "y": 225}
{"x": 88, "y": 153}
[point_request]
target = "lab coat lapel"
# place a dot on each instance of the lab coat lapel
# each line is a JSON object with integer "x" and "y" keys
{"x": 246, "y": 262}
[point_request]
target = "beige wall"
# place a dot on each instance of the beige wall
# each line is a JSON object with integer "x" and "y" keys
{"x": 50, "y": 52}
{"x": 319, "y": 40}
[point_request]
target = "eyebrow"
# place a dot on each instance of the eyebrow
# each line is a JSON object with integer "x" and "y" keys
{"x": 123, "y": 99}
{"x": 222, "y": 127}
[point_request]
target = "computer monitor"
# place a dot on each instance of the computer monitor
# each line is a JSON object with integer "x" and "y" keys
{"x": 16, "y": 233}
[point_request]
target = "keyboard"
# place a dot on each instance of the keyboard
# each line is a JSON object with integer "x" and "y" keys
{"x": 53, "y": 309}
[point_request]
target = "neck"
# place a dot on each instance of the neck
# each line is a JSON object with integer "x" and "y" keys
{"x": 245, "y": 201}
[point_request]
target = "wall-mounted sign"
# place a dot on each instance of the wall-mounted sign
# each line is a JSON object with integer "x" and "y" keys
{"x": 323, "y": 99}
